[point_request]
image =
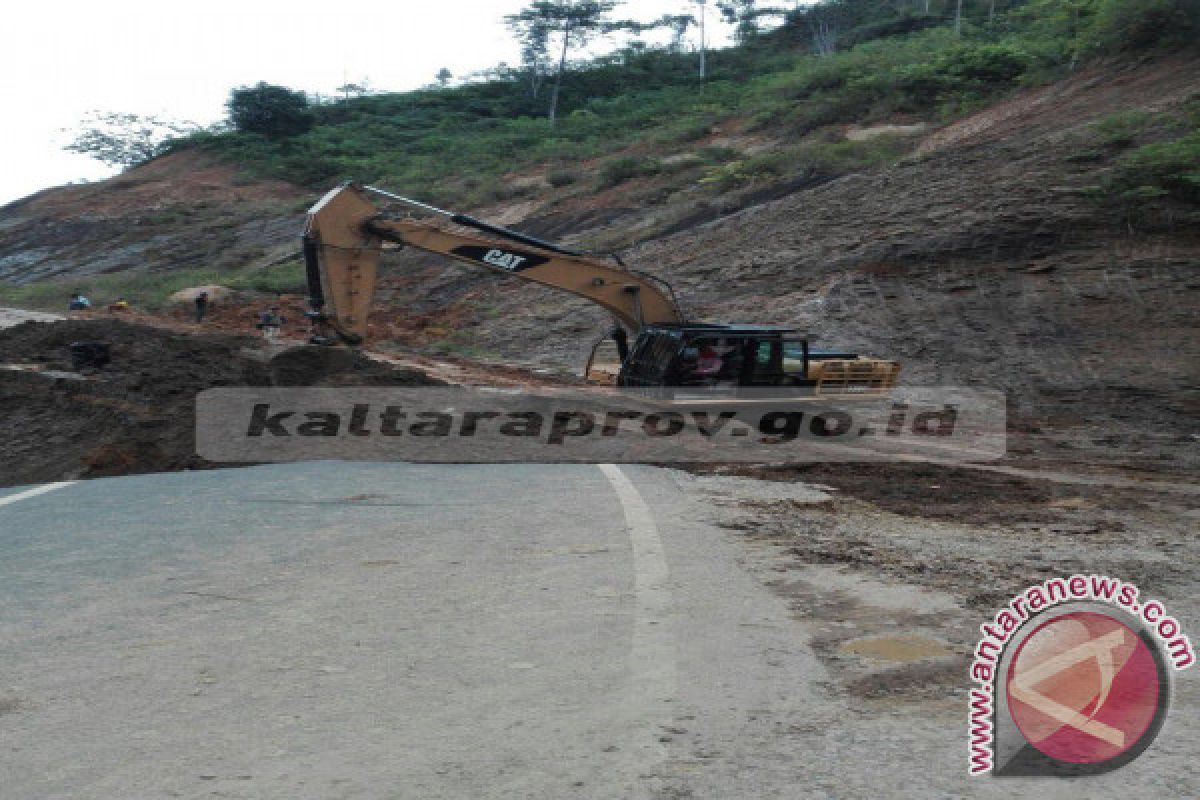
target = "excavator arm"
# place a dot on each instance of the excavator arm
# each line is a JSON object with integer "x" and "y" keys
{"x": 344, "y": 238}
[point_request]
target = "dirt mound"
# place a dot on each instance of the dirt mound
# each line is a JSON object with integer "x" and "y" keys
{"x": 216, "y": 294}
{"x": 326, "y": 366}
{"x": 136, "y": 414}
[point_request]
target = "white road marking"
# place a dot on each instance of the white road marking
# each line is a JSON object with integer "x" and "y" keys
{"x": 49, "y": 487}
{"x": 652, "y": 656}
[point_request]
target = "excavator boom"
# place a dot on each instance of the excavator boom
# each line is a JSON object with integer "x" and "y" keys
{"x": 345, "y": 233}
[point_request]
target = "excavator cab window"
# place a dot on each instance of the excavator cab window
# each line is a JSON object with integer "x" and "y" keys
{"x": 796, "y": 359}
{"x": 719, "y": 356}
{"x": 763, "y": 362}
{"x": 711, "y": 361}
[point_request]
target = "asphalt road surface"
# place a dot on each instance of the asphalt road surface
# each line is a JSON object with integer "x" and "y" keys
{"x": 395, "y": 631}
{"x": 15, "y": 316}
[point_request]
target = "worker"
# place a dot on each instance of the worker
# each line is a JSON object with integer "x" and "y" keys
{"x": 201, "y": 306}
{"x": 79, "y": 302}
{"x": 269, "y": 322}
{"x": 709, "y": 362}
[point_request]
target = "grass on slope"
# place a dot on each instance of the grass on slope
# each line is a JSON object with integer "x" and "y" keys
{"x": 453, "y": 146}
{"x": 149, "y": 291}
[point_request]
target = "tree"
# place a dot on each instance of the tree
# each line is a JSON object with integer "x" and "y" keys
{"x": 273, "y": 111}
{"x": 678, "y": 24}
{"x": 535, "y": 54}
{"x": 824, "y": 35}
{"x": 744, "y": 15}
{"x": 349, "y": 90}
{"x": 564, "y": 25}
{"x": 443, "y": 77}
{"x": 126, "y": 140}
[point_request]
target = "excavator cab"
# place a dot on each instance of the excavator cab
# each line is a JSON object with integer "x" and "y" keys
{"x": 716, "y": 356}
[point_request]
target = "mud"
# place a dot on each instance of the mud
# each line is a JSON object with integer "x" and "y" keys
{"x": 894, "y": 581}
{"x": 136, "y": 415}
{"x": 897, "y": 648}
{"x": 967, "y": 495}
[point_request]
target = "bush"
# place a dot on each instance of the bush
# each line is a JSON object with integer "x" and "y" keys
{"x": 1122, "y": 129}
{"x": 624, "y": 168}
{"x": 982, "y": 65}
{"x": 907, "y": 22}
{"x": 272, "y": 111}
{"x": 562, "y": 177}
{"x": 690, "y": 132}
{"x": 1130, "y": 25}
{"x": 1166, "y": 168}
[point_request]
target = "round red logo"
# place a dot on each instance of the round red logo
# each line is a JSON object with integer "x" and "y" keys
{"x": 1083, "y": 688}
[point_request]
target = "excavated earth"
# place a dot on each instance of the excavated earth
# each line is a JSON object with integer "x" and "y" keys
{"x": 137, "y": 413}
{"x": 985, "y": 259}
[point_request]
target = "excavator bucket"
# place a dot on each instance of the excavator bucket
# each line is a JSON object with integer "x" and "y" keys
{"x": 342, "y": 260}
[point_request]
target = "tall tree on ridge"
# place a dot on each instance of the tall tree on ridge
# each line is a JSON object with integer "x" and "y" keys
{"x": 564, "y": 24}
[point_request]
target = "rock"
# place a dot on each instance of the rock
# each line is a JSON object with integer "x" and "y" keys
{"x": 216, "y": 294}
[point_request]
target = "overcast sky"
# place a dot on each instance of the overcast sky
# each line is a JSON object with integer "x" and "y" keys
{"x": 61, "y": 60}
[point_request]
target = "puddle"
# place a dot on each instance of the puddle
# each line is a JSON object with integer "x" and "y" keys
{"x": 902, "y": 648}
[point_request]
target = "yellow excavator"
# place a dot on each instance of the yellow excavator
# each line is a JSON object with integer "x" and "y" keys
{"x": 652, "y": 343}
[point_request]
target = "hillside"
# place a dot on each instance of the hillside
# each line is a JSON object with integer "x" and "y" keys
{"x": 183, "y": 212}
{"x": 984, "y": 258}
{"x": 1038, "y": 234}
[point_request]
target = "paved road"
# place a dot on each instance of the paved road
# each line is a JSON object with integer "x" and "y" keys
{"x": 396, "y": 631}
{"x": 15, "y": 316}
{"x": 360, "y": 631}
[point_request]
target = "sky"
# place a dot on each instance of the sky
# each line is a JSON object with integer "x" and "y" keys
{"x": 62, "y": 60}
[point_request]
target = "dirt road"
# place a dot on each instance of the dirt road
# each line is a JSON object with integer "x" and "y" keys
{"x": 389, "y": 630}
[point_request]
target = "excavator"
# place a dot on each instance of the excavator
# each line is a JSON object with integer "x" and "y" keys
{"x": 655, "y": 344}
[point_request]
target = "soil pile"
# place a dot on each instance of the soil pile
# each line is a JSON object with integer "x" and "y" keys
{"x": 136, "y": 414}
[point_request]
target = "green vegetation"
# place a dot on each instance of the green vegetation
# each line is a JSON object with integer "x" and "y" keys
{"x": 149, "y": 291}
{"x": 623, "y": 168}
{"x": 275, "y": 112}
{"x": 1156, "y": 155}
{"x": 451, "y": 146}
{"x": 810, "y": 159}
{"x": 644, "y": 117}
{"x": 1134, "y": 25}
{"x": 1123, "y": 129}
{"x": 561, "y": 177}
{"x": 1159, "y": 169}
